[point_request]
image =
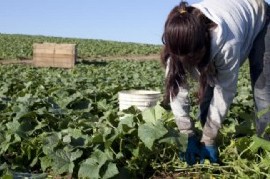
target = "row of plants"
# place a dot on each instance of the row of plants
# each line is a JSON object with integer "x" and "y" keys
{"x": 67, "y": 123}
{"x": 21, "y": 47}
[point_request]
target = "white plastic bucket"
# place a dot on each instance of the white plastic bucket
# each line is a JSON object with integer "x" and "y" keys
{"x": 142, "y": 99}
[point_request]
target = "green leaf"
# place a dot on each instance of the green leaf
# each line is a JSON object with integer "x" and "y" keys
{"x": 45, "y": 162}
{"x": 97, "y": 138}
{"x": 67, "y": 139}
{"x": 3, "y": 166}
{"x": 242, "y": 147}
{"x": 79, "y": 104}
{"x": 153, "y": 114}
{"x": 263, "y": 112}
{"x": 174, "y": 137}
{"x": 128, "y": 120}
{"x": 2, "y": 106}
{"x": 245, "y": 128}
{"x": 9, "y": 140}
{"x": 102, "y": 105}
{"x": 20, "y": 110}
{"x": 7, "y": 177}
{"x": 111, "y": 171}
{"x": 266, "y": 130}
{"x": 126, "y": 124}
{"x": 50, "y": 142}
{"x": 110, "y": 138}
{"x": 259, "y": 143}
{"x": 91, "y": 167}
{"x": 63, "y": 160}
{"x": 13, "y": 126}
{"x": 34, "y": 161}
{"x": 266, "y": 161}
{"x": 74, "y": 137}
{"x": 6, "y": 143}
{"x": 25, "y": 99}
{"x": 149, "y": 132}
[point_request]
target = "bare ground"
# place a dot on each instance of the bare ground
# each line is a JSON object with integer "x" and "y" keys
{"x": 133, "y": 57}
{"x": 25, "y": 61}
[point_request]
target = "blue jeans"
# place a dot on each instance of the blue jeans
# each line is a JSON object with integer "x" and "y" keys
{"x": 259, "y": 60}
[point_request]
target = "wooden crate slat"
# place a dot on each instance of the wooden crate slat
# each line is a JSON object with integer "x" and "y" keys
{"x": 54, "y": 55}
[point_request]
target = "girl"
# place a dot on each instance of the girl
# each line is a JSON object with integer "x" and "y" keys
{"x": 210, "y": 40}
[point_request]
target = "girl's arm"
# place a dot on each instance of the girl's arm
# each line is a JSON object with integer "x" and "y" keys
{"x": 180, "y": 108}
{"x": 227, "y": 65}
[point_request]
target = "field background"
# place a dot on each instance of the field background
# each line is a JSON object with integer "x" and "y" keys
{"x": 20, "y": 47}
{"x": 66, "y": 123}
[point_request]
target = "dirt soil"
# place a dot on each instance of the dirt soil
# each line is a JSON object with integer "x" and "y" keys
{"x": 25, "y": 61}
{"x": 133, "y": 57}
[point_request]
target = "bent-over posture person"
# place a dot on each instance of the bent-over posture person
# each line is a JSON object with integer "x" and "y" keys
{"x": 210, "y": 40}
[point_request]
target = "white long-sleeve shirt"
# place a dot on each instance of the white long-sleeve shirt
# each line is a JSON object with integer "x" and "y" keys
{"x": 238, "y": 23}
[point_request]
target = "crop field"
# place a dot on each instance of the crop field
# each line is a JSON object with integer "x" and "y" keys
{"x": 20, "y": 47}
{"x": 65, "y": 123}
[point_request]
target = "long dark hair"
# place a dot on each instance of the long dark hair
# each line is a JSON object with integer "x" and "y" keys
{"x": 186, "y": 40}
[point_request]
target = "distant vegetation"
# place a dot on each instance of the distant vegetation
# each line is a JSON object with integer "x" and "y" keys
{"x": 20, "y": 47}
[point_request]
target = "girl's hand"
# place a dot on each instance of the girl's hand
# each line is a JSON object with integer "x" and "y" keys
{"x": 209, "y": 152}
{"x": 192, "y": 152}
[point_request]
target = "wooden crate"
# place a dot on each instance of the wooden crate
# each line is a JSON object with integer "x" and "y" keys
{"x": 54, "y": 55}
